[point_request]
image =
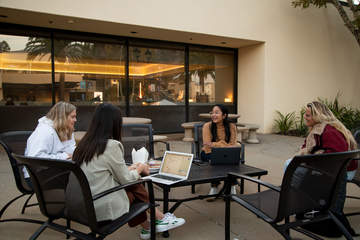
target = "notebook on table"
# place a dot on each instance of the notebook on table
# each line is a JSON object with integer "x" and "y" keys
{"x": 225, "y": 156}
{"x": 175, "y": 167}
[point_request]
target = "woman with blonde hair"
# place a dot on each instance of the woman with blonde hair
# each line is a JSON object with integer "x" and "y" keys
{"x": 327, "y": 135}
{"x": 54, "y": 135}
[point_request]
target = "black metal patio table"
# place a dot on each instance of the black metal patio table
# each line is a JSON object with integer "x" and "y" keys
{"x": 205, "y": 174}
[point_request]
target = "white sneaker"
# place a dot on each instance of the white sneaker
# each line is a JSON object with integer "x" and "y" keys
{"x": 168, "y": 222}
{"x": 213, "y": 191}
{"x": 145, "y": 234}
{"x": 233, "y": 189}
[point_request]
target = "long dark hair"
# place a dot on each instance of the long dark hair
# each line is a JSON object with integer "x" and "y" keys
{"x": 226, "y": 123}
{"x": 106, "y": 124}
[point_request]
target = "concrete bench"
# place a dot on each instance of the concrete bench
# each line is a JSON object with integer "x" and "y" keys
{"x": 252, "y": 137}
{"x": 242, "y": 132}
{"x": 188, "y": 131}
{"x": 159, "y": 151}
{"x": 78, "y": 135}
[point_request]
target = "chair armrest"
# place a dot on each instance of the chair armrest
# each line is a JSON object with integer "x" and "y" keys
{"x": 258, "y": 181}
{"x": 242, "y": 152}
{"x": 166, "y": 143}
{"x": 117, "y": 188}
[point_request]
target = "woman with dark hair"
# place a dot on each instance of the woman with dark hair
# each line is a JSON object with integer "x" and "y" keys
{"x": 100, "y": 155}
{"x": 219, "y": 132}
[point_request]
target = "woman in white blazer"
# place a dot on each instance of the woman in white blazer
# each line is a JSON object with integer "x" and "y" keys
{"x": 54, "y": 135}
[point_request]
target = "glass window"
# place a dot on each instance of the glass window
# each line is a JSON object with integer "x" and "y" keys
{"x": 156, "y": 76}
{"x": 89, "y": 72}
{"x": 25, "y": 71}
{"x": 211, "y": 76}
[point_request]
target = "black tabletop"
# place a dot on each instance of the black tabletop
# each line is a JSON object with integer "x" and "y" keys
{"x": 208, "y": 173}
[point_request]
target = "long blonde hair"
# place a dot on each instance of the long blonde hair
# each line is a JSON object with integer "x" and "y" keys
{"x": 58, "y": 114}
{"x": 322, "y": 114}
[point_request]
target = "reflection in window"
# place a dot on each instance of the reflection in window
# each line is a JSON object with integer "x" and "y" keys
{"x": 25, "y": 75}
{"x": 211, "y": 76}
{"x": 156, "y": 76}
{"x": 89, "y": 72}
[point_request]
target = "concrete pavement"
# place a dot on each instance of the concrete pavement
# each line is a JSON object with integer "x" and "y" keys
{"x": 204, "y": 220}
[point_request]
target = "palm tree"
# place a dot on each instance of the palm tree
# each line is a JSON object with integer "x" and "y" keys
{"x": 4, "y": 47}
{"x": 202, "y": 65}
{"x": 203, "y": 73}
{"x": 64, "y": 51}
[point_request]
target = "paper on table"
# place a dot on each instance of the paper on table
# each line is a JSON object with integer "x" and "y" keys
{"x": 140, "y": 155}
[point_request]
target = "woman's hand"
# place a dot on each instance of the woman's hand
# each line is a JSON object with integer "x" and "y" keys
{"x": 146, "y": 170}
{"x": 142, "y": 169}
{"x": 132, "y": 167}
{"x": 208, "y": 144}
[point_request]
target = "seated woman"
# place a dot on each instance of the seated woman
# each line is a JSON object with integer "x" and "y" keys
{"x": 100, "y": 155}
{"x": 327, "y": 135}
{"x": 54, "y": 135}
{"x": 219, "y": 132}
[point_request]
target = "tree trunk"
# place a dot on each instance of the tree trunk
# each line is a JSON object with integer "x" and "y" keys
{"x": 62, "y": 87}
{"x": 348, "y": 23}
{"x": 202, "y": 85}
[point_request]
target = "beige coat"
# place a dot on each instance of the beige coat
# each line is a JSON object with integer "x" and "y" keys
{"x": 107, "y": 171}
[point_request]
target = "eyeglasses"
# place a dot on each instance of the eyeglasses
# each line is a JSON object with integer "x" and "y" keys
{"x": 215, "y": 113}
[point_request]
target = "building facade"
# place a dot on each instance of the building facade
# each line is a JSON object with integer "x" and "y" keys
{"x": 175, "y": 59}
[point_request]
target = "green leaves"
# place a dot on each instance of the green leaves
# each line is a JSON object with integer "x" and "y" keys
{"x": 284, "y": 122}
{"x": 349, "y": 116}
{"x": 292, "y": 124}
{"x": 300, "y": 127}
{"x": 351, "y": 22}
{"x": 307, "y": 3}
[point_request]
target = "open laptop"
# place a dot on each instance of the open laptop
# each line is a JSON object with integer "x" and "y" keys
{"x": 175, "y": 167}
{"x": 225, "y": 156}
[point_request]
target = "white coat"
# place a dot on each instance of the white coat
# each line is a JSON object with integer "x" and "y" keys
{"x": 44, "y": 142}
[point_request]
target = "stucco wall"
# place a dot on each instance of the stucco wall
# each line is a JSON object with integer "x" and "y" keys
{"x": 306, "y": 53}
{"x": 251, "y": 76}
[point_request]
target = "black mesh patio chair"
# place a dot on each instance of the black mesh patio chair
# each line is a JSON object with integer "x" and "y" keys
{"x": 15, "y": 142}
{"x": 356, "y": 179}
{"x": 198, "y": 143}
{"x": 310, "y": 185}
{"x": 138, "y": 136}
{"x": 63, "y": 192}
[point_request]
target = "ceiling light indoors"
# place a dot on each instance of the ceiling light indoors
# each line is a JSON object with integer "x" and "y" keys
{"x": 70, "y": 21}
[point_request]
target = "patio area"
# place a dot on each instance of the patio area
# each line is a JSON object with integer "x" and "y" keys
{"x": 204, "y": 220}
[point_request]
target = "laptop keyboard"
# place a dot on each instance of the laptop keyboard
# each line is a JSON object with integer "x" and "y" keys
{"x": 166, "y": 177}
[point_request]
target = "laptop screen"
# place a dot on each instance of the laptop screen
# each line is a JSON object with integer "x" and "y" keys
{"x": 176, "y": 163}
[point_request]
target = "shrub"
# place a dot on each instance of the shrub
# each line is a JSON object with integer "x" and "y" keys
{"x": 300, "y": 127}
{"x": 349, "y": 116}
{"x": 290, "y": 124}
{"x": 284, "y": 123}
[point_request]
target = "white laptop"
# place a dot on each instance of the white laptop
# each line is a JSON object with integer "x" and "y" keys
{"x": 175, "y": 167}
